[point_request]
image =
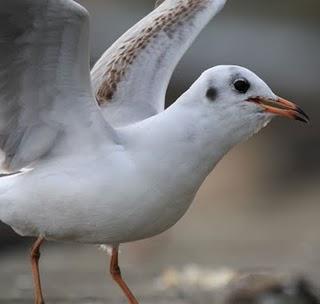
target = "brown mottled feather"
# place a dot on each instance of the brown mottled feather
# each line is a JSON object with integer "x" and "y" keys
{"x": 167, "y": 21}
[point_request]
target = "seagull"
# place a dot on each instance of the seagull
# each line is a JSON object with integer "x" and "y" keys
{"x": 95, "y": 158}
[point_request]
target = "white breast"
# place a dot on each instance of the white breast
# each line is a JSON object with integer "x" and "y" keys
{"x": 95, "y": 202}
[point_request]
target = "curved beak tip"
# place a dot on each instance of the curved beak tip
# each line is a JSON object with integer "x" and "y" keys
{"x": 307, "y": 121}
{"x": 303, "y": 116}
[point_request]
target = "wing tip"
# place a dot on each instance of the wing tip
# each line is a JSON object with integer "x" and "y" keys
{"x": 158, "y": 3}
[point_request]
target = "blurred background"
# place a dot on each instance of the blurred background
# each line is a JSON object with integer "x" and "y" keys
{"x": 260, "y": 208}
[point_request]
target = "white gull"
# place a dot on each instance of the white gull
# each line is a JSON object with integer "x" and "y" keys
{"x": 128, "y": 170}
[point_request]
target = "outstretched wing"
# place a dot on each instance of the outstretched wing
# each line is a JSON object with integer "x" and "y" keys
{"x": 131, "y": 78}
{"x": 45, "y": 90}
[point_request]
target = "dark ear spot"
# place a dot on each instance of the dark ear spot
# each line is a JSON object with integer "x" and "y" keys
{"x": 212, "y": 93}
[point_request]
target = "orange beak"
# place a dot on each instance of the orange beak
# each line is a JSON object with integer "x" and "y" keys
{"x": 281, "y": 107}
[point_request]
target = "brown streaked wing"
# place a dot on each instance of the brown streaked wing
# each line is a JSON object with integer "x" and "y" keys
{"x": 131, "y": 78}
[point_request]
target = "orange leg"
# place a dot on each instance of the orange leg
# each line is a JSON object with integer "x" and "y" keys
{"x": 35, "y": 256}
{"x": 116, "y": 275}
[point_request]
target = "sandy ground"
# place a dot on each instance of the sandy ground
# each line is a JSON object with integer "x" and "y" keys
{"x": 78, "y": 274}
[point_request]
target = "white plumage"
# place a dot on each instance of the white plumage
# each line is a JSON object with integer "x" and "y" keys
{"x": 87, "y": 182}
{"x": 128, "y": 170}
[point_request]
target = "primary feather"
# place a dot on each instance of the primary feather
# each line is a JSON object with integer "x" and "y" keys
{"x": 45, "y": 91}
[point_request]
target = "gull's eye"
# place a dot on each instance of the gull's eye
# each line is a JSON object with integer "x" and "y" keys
{"x": 242, "y": 85}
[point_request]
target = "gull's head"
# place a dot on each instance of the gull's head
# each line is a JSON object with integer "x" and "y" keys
{"x": 239, "y": 102}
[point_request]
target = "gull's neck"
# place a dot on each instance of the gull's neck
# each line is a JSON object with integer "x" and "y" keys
{"x": 184, "y": 143}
